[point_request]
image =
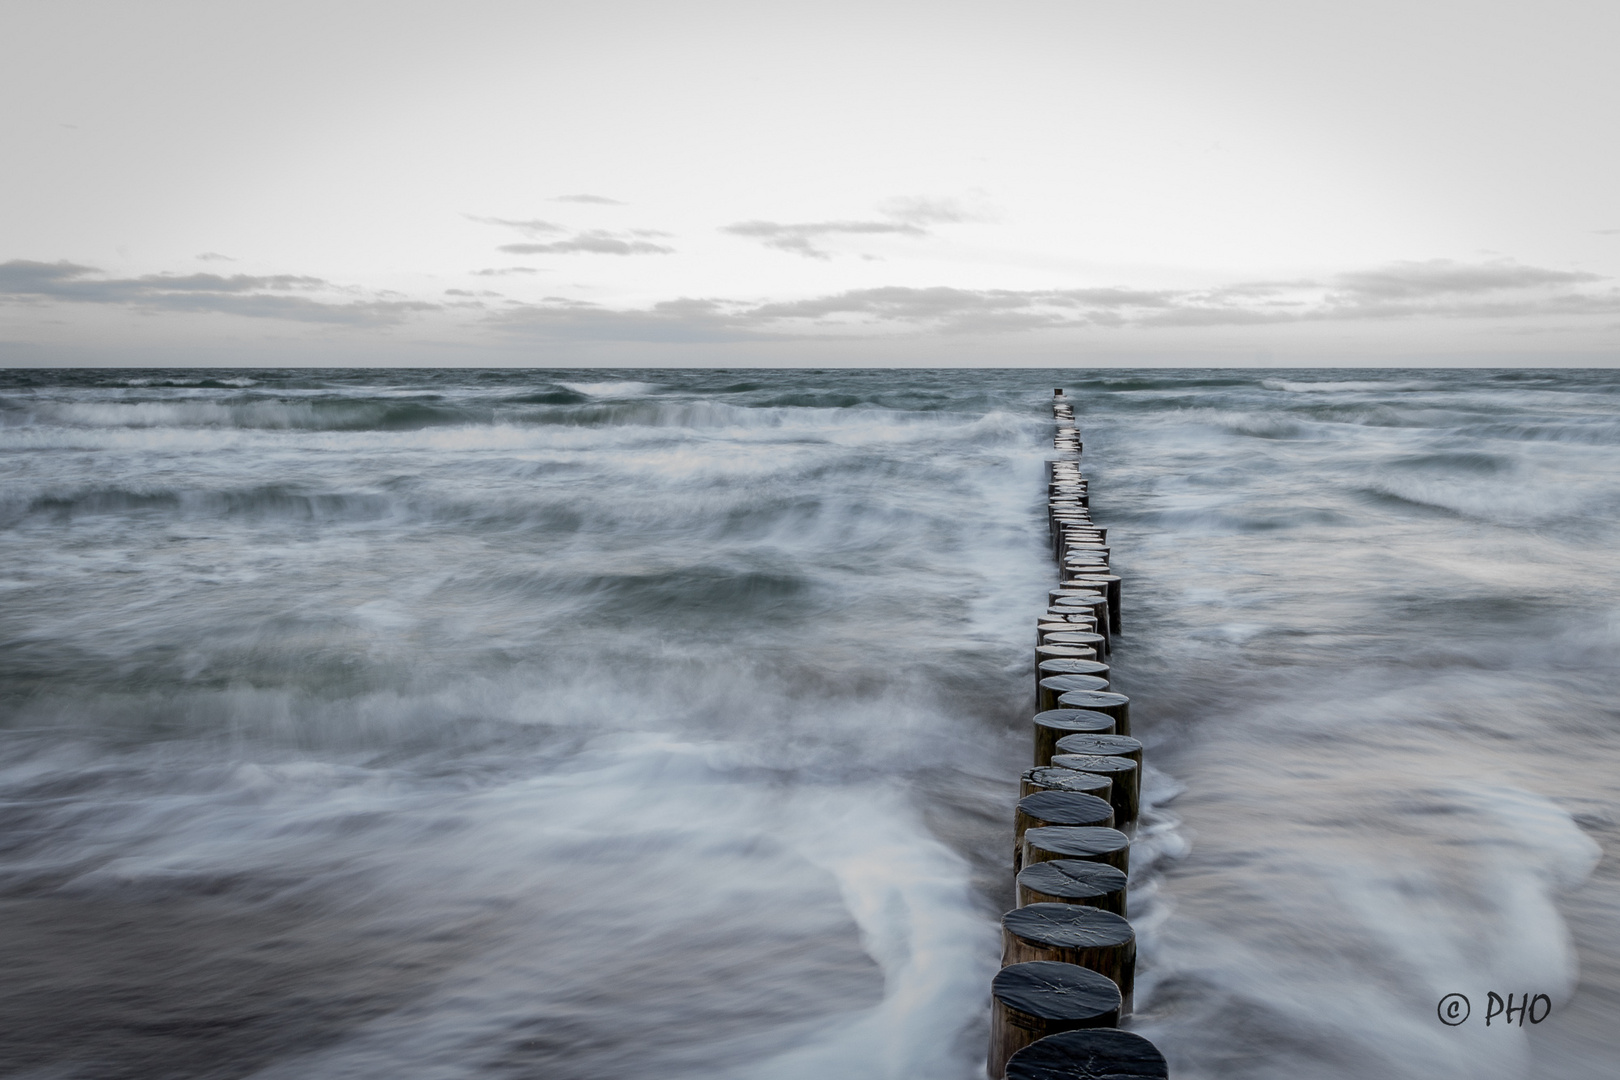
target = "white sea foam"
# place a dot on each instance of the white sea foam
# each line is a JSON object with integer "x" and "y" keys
{"x": 626, "y": 388}
{"x": 1343, "y": 386}
{"x": 663, "y": 840}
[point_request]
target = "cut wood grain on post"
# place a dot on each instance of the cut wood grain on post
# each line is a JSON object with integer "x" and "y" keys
{"x": 1125, "y": 773}
{"x": 1073, "y": 934}
{"x": 1043, "y": 997}
{"x": 1051, "y": 778}
{"x": 1089, "y": 1054}
{"x": 1071, "y": 842}
{"x": 1054, "y": 724}
{"x": 1072, "y": 881}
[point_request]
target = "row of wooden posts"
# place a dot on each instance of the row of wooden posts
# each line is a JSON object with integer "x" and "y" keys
{"x": 1068, "y": 952}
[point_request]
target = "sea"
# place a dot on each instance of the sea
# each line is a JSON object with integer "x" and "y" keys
{"x": 443, "y": 724}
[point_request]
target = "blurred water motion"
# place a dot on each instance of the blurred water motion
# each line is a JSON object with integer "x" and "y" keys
{"x": 455, "y": 724}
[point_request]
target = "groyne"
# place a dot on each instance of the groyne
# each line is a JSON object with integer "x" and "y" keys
{"x": 1068, "y": 950}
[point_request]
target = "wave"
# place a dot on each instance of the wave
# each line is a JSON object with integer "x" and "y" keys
{"x": 1528, "y": 497}
{"x": 200, "y": 383}
{"x": 435, "y": 707}
{"x": 802, "y": 926}
{"x": 1372, "y": 386}
{"x": 247, "y": 414}
{"x": 618, "y": 388}
{"x": 558, "y": 440}
{"x": 263, "y": 502}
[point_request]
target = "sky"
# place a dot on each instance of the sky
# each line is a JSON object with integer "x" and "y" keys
{"x": 1190, "y": 182}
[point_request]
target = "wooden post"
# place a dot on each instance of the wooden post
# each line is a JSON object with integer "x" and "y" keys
{"x": 1101, "y": 745}
{"x": 1089, "y": 603}
{"x": 1053, "y": 724}
{"x": 1111, "y": 583}
{"x": 1048, "y": 622}
{"x": 1053, "y": 687}
{"x": 1064, "y": 651}
{"x": 1072, "y": 881}
{"x": 1031, "y": 1001}
{"x": 1092, "y": 610}
{"x": 1060, "y": 592}
{"x": 1073, "y": 934}
{"x": 1065, "y": 615}
{"x": 1116, "y": 705}
{"x": 1045, "y": 630}
{"x": 1067, "y": 842}
{"x": 1095, "y": 642}
{"x": 1127, "y": 778}
{"x": 1080, "y": 537}
{"x": 1089, "y": 1054}
{"x": 1047, "y": 808}
{"x": 1067, "y": 665}
{"x": 1053, "y": 778}
{"x": 1092, "y": 605}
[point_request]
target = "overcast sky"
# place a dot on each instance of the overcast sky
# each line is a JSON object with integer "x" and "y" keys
{"x": 820, "y": 183}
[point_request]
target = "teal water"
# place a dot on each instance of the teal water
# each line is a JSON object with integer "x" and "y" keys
{"x": 465, "y": 724}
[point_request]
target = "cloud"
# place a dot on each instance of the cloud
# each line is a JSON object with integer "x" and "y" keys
{"x": 796, "y": 238}
{"x": 1501, "y": 292}
{"x": 924, "y": 211}
{"x": 902, "y": 216}
{"x": 591, "y": 241}
{"x": 498, "y": 271}
{"x": 214, "y": 256}
{"x": 275, "y": 296}
{"x": 596, "y": 242}
{"x": 1436, "y": 289}
{"x": 681, "y": 320}
{"x": 529, "y": 227}
{"x": 961, "y": 310}
{"x": 1438, "y": 277}
{"x": 1433, "y": 289}
{"x": 599, "y": 200}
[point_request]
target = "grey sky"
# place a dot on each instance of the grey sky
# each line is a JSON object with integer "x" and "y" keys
{"x": 744, "y": 183}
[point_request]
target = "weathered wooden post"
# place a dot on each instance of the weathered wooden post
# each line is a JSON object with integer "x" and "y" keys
{"x": 1053, "y": 687}
{"x": 1073, "y": 934}
{"x": 1048, "y": 622}
{"x": 1089, "y": 1054}
{"x": 1072, "y": 881}
{"x": 1087, "y": 742}
{"x": 1048, "y": 808}
{"x": 1053, "y": 778}
{"x": 1084, "y": 638}
{"x": 1109, "y": 582}
{"x": 1127, "y": 778}
{"x": 1116, "y": 705}
{"x": 1064, "y": 650}
{"x": 1069, "y": 842}
{"x": 1031, "y": 1001}
{"x": 1054, "y": 724}
{"x": 1066, "y": 665}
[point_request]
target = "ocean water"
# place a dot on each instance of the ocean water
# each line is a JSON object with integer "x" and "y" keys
{"x": 432, "y": 724}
